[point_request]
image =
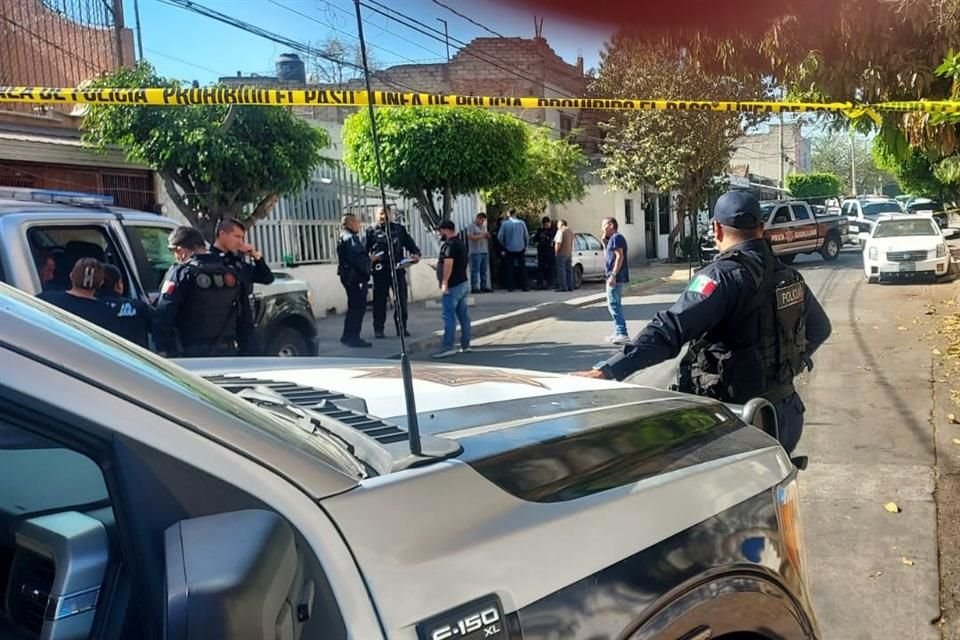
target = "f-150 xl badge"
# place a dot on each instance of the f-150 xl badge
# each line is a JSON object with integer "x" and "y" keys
{"x": 479, "y": 620}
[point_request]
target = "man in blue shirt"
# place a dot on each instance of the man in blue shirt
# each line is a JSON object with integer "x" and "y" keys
{"x": 618, "y": 274}
{"x": 514, "y": 237}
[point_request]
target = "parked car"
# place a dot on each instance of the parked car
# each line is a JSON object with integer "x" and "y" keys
{"x": 862, "y": 211}
{"x": 257, "y": 499}
{"x": 930, "y": 208}
{"x": 588, "y": 260}
{"x": 36, "y": 223}
{"x": 902, "y": 246}
{"x": 794, "y": 229}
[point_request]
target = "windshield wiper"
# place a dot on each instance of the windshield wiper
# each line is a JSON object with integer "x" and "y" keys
{"x": 359, "y": 450}
{"x": 277, "y": 405}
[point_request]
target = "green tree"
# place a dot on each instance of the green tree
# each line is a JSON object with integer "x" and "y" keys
{"x": 831, "y": 153}
{"x": 682, "y": 150}
{"x": 813, "y": 185}
{"x": 436, "y": 150}
{"x": 215, "y": 161}
{"x": 550, "y": 174}
{"x": 914, "y": 170}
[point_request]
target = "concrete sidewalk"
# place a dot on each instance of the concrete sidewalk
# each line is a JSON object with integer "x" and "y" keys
{"x": 490, "y": 312}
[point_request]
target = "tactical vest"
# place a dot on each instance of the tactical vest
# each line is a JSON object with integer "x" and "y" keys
{"x": 761, "y": 347}
{"x": 210, "y": 311}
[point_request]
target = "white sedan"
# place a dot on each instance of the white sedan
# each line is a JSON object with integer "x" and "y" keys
{"x": 900, "y": 247}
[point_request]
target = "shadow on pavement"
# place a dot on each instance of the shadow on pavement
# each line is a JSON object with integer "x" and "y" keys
{"x": 554, "y": 357}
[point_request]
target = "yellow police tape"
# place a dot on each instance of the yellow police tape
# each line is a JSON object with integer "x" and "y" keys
{"x": 352, "y": 98}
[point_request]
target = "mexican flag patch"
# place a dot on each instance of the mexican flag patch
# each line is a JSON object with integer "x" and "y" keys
{"x": 702, "y": 285}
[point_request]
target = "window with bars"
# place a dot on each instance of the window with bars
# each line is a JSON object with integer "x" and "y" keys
{"x": 130, "y": 190}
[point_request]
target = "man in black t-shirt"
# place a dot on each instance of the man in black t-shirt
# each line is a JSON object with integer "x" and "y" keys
{"x": 80, "y": 299}
{"x": 452, "y": 273}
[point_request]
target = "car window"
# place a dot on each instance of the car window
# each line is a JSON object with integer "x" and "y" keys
{"x": 903, "y": 228}
{"x": 592, "y": 243}
{"x": 873, "y": 209}
{"x": 782, "y": 215}
{"x": 56, "y": 249}
{"x": 158, "y": 254}
{"x": 46, "y": 486}
{"x": 579, "y": 243}
{"x": 847, "y": 208}
{"x": 800, "y": 212}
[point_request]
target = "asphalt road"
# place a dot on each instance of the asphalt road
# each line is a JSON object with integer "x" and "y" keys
{"x": 874, "y": 574}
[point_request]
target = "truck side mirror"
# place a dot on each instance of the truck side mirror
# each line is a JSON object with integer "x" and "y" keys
{"x": 863, "y": 236}
{"x": 231, "y": 575}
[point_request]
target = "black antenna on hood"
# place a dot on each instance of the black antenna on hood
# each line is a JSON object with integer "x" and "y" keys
{"x": 413, "y": 425}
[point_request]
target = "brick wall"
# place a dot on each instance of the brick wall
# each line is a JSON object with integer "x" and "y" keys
{"x": 58, "y": 43}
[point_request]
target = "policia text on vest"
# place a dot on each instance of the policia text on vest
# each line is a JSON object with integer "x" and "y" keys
{"x": 752, "y": 321}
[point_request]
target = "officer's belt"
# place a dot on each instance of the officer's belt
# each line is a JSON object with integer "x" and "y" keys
{"x": 779, "y": 393}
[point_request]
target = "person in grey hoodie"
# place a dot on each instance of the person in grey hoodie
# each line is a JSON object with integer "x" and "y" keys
{"x": 514, "y": 237}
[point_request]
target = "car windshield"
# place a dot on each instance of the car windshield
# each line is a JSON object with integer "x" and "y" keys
{"x": 900, "y": 228}
{"x": 873, "y": 209}
{"x": 767, "y": 209}
{"x": 141, "y": 362}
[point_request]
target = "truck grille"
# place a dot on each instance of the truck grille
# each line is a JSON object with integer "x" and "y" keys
{"x": 338, "y": 406}
{"x": 906, "y": 256}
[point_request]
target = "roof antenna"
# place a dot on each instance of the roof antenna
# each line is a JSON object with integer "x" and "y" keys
{"x": 413, "y": 425}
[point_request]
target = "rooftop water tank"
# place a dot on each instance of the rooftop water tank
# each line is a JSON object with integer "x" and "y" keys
{"x": 290, "y": 69}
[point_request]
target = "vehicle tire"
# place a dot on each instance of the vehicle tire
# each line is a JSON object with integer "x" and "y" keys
{"x": 286, "y": 342}
{"x": 872, "y": 279}
{"x": 831, "y": 248}
{"x": 577, "y": 276}
{"x": 788, "y": 258}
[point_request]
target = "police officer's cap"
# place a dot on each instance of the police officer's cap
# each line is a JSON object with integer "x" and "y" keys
{"x": 186, "y": 237}
{"x": 738, "y": 209}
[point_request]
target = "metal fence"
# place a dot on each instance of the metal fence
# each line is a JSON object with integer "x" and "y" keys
{"x": 304, "y": 228}
{"x": 61, "y": 43}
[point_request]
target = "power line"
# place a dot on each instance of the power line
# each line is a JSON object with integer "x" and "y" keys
{"x": 467, "y": 18}
{"x": 437, "y": 54}
{"x": 269, "y": 35}
{"x": 334, "y": 29}
{"x": 186, "y": 62}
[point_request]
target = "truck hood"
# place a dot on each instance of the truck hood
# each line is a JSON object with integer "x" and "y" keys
{"x": 449, "y": 397}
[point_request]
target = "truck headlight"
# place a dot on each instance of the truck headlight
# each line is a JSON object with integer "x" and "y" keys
{"x": 941, "y": 250}
{"x": 787, "y": 497}
{"x": 873, "y": 253}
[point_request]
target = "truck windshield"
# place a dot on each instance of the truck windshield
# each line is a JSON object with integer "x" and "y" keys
{"x": 873, "y": 209}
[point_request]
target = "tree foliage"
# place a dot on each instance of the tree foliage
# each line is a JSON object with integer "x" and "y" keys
{"x": 832, "y": 154}
{"x": 813, "y": 185}
{"x": 914, "y": 170}
{"x": 436, "y": 150}
{"x": 550, "y": 174}
{"x": 682, "y": 150}
{"x": 214, "y": 160}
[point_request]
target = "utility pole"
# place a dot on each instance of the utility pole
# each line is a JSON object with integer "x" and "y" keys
{"x": 783, "y": 183}
{"x": 853, "y": 163}
{"x": 117, "y": 10}
{"x": 446, "y": 36}
{"x": 136, "y": 17}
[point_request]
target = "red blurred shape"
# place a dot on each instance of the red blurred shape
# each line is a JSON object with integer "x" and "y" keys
{"x": 714, "y": 18}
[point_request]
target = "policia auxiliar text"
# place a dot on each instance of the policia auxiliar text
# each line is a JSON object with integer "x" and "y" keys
{"x": 752, "y": 321}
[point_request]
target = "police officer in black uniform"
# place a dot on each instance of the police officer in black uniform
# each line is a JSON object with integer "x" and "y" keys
{"x": 201, "y": 303}
{"x": 231, "y": 246}
{"x": 353, "y": 267}
{"x": 382, "y": 277}
{"x": 752, "y": 320}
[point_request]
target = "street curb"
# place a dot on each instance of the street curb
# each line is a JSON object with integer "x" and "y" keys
{"x": 493, "y": 324}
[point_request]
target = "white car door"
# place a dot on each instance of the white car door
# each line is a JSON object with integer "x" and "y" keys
{"x": 594, "y": 252}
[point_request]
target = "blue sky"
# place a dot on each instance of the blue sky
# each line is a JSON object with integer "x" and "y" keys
{"x": 193, "y": 47}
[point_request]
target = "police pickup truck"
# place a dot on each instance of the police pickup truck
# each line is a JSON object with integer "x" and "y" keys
{"x": 256, "y": 499}
{"x": 793, "y": 228}
{"x": 43, "y": 233}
